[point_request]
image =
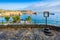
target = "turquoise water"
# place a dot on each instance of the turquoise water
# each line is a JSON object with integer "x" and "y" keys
{"x": 39, "y": 19}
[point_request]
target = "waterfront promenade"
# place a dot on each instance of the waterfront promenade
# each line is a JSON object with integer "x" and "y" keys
{"x": 27, "y": 34}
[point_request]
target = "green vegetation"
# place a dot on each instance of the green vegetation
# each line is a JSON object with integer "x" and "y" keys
{"x": 16, "y": 18}
{"x": 7, "y": 18}
{"x": 28, "y": 19}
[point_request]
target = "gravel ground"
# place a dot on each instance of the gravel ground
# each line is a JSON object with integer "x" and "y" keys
{"x": 27, "y": 34}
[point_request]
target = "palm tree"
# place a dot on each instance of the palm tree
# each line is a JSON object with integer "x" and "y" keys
{"x": 7, "y": 18}
{"x": 16, "y": 18}
{"x": 28, "y": 19}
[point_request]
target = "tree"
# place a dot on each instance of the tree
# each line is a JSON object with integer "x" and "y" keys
{"x": 16, "y": 18}
{"x": 7, "y": 18}
{"x": 28, "y": 19}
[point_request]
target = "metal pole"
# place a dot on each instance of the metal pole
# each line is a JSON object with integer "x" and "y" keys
{"x": 46, "y": 22}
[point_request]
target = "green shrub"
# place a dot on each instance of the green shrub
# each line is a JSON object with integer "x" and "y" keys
{"x": 7, "y": 18}
{"x": 16, "y": 18}
{"x": 28, "y": 18}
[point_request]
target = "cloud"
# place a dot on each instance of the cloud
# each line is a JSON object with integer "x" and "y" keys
{"x": 50, "y": 5}
{"x": 53, "y": 6}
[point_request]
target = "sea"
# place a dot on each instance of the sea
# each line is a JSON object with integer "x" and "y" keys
{"x": 53, "y": 19}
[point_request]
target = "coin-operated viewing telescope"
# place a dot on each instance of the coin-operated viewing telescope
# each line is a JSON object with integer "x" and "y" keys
{"x": 47, "y": 30}
{"x": 46, "y": 14}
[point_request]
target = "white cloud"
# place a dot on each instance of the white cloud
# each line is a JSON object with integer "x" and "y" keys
{"x": 53, "y": 6}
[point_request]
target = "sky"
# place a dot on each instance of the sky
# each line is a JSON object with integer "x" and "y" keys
{"x": 35, "y": 5}
{"x": 16, "y": 1}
